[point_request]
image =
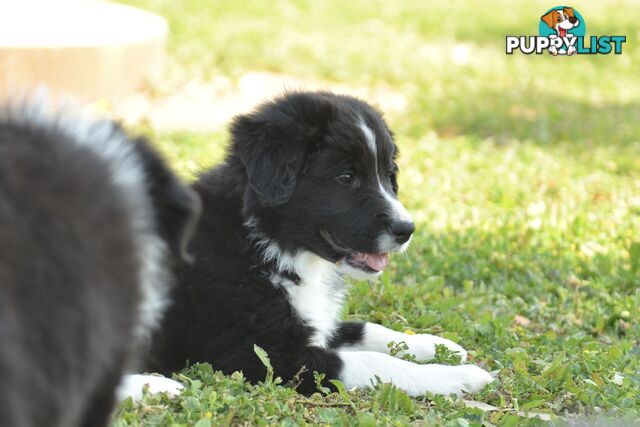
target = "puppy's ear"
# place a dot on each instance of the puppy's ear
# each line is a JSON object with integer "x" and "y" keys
{"x": 273, "y": 143}
{"x": 569, "y": 11}
{"x": 176, "y": 206}
{"x": 549, "y": 19}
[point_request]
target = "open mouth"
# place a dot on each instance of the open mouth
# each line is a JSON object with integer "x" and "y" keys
{"x": 368, "y": 262}
{"x": 563, "y": 32}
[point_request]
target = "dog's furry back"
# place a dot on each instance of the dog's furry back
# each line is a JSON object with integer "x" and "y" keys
{"x": 77, "y": 233}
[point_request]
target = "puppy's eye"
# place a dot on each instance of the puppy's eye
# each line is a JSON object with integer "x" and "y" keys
{"x": 346, "y": 178}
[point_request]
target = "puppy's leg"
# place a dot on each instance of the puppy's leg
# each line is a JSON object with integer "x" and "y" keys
{"x": 360, "y": 368}
{"x": 353, "y": 336}
{"x": 133, "y": 385}
{"x": 288, "y": 365}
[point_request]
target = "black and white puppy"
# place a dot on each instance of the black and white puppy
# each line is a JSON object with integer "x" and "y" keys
{"x": 91, "y": 225}
{"x": 307, "y": 195}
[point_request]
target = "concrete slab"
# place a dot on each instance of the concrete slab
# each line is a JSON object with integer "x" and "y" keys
{"x": 90, "y": 49}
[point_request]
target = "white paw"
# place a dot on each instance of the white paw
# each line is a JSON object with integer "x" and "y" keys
{"x": 467, "y": 379}
{"x": 362, "y": 368}
{"x": 133, "y": 386}
{"x": 571, "y": 50}
{"x": 423, "y": 346}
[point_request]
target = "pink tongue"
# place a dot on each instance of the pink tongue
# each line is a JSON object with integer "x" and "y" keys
{"x": 563, "y": 32}
{"x": 376, "y": 262}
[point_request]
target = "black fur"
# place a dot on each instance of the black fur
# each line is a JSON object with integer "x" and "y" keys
{"x": 347, "y": 333}
{"x": 282, "y": 174}
{"x": 176, "y": 209}
{"x": 70, "y": 265}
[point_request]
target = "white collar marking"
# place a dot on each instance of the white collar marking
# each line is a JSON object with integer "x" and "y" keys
{"x": 318, "y": 297}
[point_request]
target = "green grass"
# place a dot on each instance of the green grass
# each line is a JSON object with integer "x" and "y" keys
{"x": 523, "y": 175}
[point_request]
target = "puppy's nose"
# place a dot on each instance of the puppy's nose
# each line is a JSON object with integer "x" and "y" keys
{"x": 402, "y": 230}
{"x": 573, "y": 20}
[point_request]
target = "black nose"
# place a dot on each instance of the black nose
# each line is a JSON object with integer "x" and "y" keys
{"x": 402, "y": 230}
{"x": 573, "y": 20}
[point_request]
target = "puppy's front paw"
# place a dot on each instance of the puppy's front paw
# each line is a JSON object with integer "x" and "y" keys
{"x": 133, "y": 386}
{"x": 469, "y": 378}
{"x": 441, "y": 379}
{"x": 446, "y": 380}
{"x": 423, "y": 346}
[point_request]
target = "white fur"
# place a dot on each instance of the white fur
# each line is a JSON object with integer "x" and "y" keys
{"x": 271, "y": 252}
{"x": 133, "y": 385}
{"x": 387, "y": 243}
{"x": 423, "y": 346}
{"x": 319, "y": 297}
{"x": 370, "y": 138}
{"x": 396, "y": 207}
{"x": 360, "y": 369}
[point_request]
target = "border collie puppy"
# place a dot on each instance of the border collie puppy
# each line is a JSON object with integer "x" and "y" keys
{"x": 307, "y": 195}
{"x": 91, "y": 223}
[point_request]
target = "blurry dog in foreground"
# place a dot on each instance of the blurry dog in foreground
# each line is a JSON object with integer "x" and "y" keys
{"x": 91, "y": 224}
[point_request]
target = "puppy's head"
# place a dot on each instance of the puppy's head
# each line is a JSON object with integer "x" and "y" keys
{"x": 321, "y": 176}
{"x": 561, "y": 20}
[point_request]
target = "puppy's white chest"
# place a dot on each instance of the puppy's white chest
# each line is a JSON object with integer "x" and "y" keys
{"x": 318, "y": 297}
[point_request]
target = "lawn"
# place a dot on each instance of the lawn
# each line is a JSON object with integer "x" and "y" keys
{"x": 523, "y": 176}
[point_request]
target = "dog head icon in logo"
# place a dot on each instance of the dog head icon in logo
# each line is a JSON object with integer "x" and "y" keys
{"x": 561, "y": 31}
{"x": 562, "y": 23}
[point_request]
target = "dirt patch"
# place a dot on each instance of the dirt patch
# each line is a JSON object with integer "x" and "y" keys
{"x": 208, "y": 106}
